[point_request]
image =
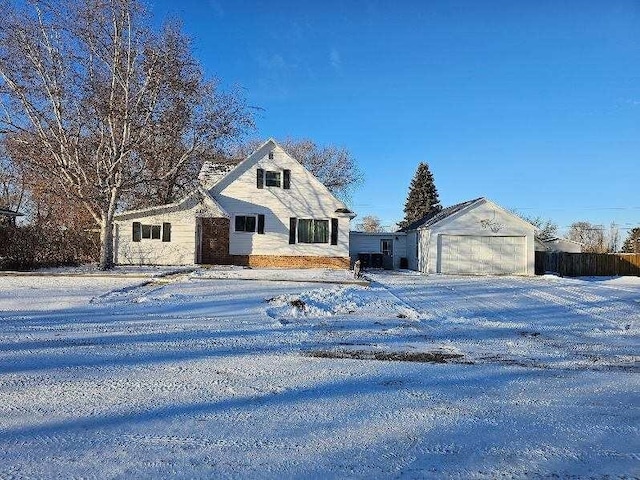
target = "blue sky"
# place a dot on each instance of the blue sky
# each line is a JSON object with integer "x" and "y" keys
{"x": 534, "y": 104}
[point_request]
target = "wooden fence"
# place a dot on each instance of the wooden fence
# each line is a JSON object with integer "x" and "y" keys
{"x": 588, "y": 264}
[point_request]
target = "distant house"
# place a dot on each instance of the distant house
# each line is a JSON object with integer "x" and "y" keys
{"x": 557, "y": 244}
{"x": 266, "y": 210}
{"x": 8, "y": 217}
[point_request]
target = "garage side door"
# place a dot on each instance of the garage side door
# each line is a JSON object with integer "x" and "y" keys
{"x": 479, "y": 255}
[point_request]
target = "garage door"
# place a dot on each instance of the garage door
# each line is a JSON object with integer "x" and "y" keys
{"x": 478, "y": 255}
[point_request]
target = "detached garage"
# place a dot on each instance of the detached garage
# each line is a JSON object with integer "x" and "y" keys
{"x": 477, "y": 237}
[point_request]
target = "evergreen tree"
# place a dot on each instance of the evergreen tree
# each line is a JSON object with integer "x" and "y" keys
{"x": 423, "y": 196}
{"x": 632, "y": 243}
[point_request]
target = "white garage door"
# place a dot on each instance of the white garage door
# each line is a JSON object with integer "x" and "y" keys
{"x": 478, "y": 255}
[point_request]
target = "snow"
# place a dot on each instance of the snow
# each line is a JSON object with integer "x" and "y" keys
{"x": 187, "y": 377}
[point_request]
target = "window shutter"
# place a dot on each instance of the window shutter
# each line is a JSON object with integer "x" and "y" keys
{"x": 137, "y": 231}
{"x": 260, "y": 223}
{"x": 293, "y": 223}
{"x": 286, "y": 179}
{"x": 334, "y": 231}
{"x": 166, "y": 232}
{"x": 260, "y": 178}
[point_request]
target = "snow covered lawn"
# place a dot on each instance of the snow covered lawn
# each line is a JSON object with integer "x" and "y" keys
{"x": 116, "y": 378}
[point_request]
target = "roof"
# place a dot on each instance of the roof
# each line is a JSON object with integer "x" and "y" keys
{"x": 213, "y": 171}
{"x": 555, "y": 239}
{"x": 436, "y": 217}
{"x": 10, "y": 213}
{"x": 204, "y": 194}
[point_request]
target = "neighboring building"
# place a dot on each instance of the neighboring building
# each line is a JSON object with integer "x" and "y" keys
{"x": 557, "y": 244}
{"x": 392, "y": 247}
{"x": 540, "y": 245}
{"x": 8, "y": 217}
{"x": 267, "y": 210}
{"x": 476, "y": 237}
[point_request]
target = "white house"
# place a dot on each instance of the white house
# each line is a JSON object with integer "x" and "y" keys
{"x": 476, "y": 237}
{"x": 267, "y": 210}
{"x": 557, "y": 244}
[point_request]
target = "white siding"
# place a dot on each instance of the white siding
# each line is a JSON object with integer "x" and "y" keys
{"x": 179, "y": 251}
{"x": 412, "y": 250}
{"x": 307, "y": 198}
{"x": 423, "y": 237}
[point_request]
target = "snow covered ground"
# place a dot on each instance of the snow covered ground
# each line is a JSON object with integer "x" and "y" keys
{"x": 117, "y": 378}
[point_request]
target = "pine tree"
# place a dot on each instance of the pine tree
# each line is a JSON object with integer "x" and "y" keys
{"x": 632, "y": 243}
{"x": 423, "y": 196}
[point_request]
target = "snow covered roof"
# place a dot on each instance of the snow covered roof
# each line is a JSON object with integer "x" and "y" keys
{"x": 433, "y": 218}
{"x": 213, "y": 171}
{"x": 556, "y": 239}
{"x": 210, "y": 204}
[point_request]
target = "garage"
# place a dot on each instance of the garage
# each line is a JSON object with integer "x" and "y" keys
{"x": 483, "y": 255}
{"x": 476, "y": 237}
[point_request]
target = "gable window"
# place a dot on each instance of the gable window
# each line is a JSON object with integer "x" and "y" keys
{"x": 249, "y": 223}
{"x": 151, "y": 232}
{"x": 313, "y": 231}
{"x": 272, "y": 179}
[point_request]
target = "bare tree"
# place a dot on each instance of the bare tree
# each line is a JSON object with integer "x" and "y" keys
{"x": 591, "y": 236}
{"x": 12, "y": 183}
{"x": 98, "y": 104}
{"x": 613, "y": 238}
{"x": 370, "y": 224}
{"x": 334, "y": 166}
{"x": 545, "y": 228}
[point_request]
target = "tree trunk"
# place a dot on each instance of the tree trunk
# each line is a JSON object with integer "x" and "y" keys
{"x": 106, "y": 243}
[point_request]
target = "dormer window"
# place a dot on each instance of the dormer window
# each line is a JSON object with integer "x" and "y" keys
{"x": 272, "y": 179}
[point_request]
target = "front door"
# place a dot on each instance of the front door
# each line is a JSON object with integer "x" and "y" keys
{"x": 386, "y": 248}
{"x": 214, "y": 241}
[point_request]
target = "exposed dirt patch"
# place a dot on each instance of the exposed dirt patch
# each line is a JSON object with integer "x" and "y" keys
{"x": 297, "y": 303}
{"x": 529, "y": 334}
{"x": 423, "y": 357}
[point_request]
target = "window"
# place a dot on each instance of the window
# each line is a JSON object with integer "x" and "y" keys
{"x": 313, "y": 231}
{"x": 245, "y": 223}
{"x": 386, "y": 246}
{"x": 270, "y": 155}
{"x": 272, "y": 179}
{"x": 248, "y": 223}
{"x": 151, "y": 232}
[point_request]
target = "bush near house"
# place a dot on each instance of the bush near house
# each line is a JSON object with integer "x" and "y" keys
{"x": 28, "y": 247}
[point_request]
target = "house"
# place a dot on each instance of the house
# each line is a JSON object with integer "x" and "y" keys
{"x": 557, "y": 244}
{"x": 476, "y": 237}
{"x": 266, "y": 210}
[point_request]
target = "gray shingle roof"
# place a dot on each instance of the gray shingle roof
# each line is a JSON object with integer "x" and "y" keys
{"x": 433, "y": 218}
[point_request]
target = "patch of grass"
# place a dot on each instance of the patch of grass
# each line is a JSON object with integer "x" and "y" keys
{"x": 422, "y": 357}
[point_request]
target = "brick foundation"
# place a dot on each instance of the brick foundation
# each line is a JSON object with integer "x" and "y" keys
{"x": 290, "y": 261}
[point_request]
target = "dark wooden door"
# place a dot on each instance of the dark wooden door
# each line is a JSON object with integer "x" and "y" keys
{"x": 215, "y": 241}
